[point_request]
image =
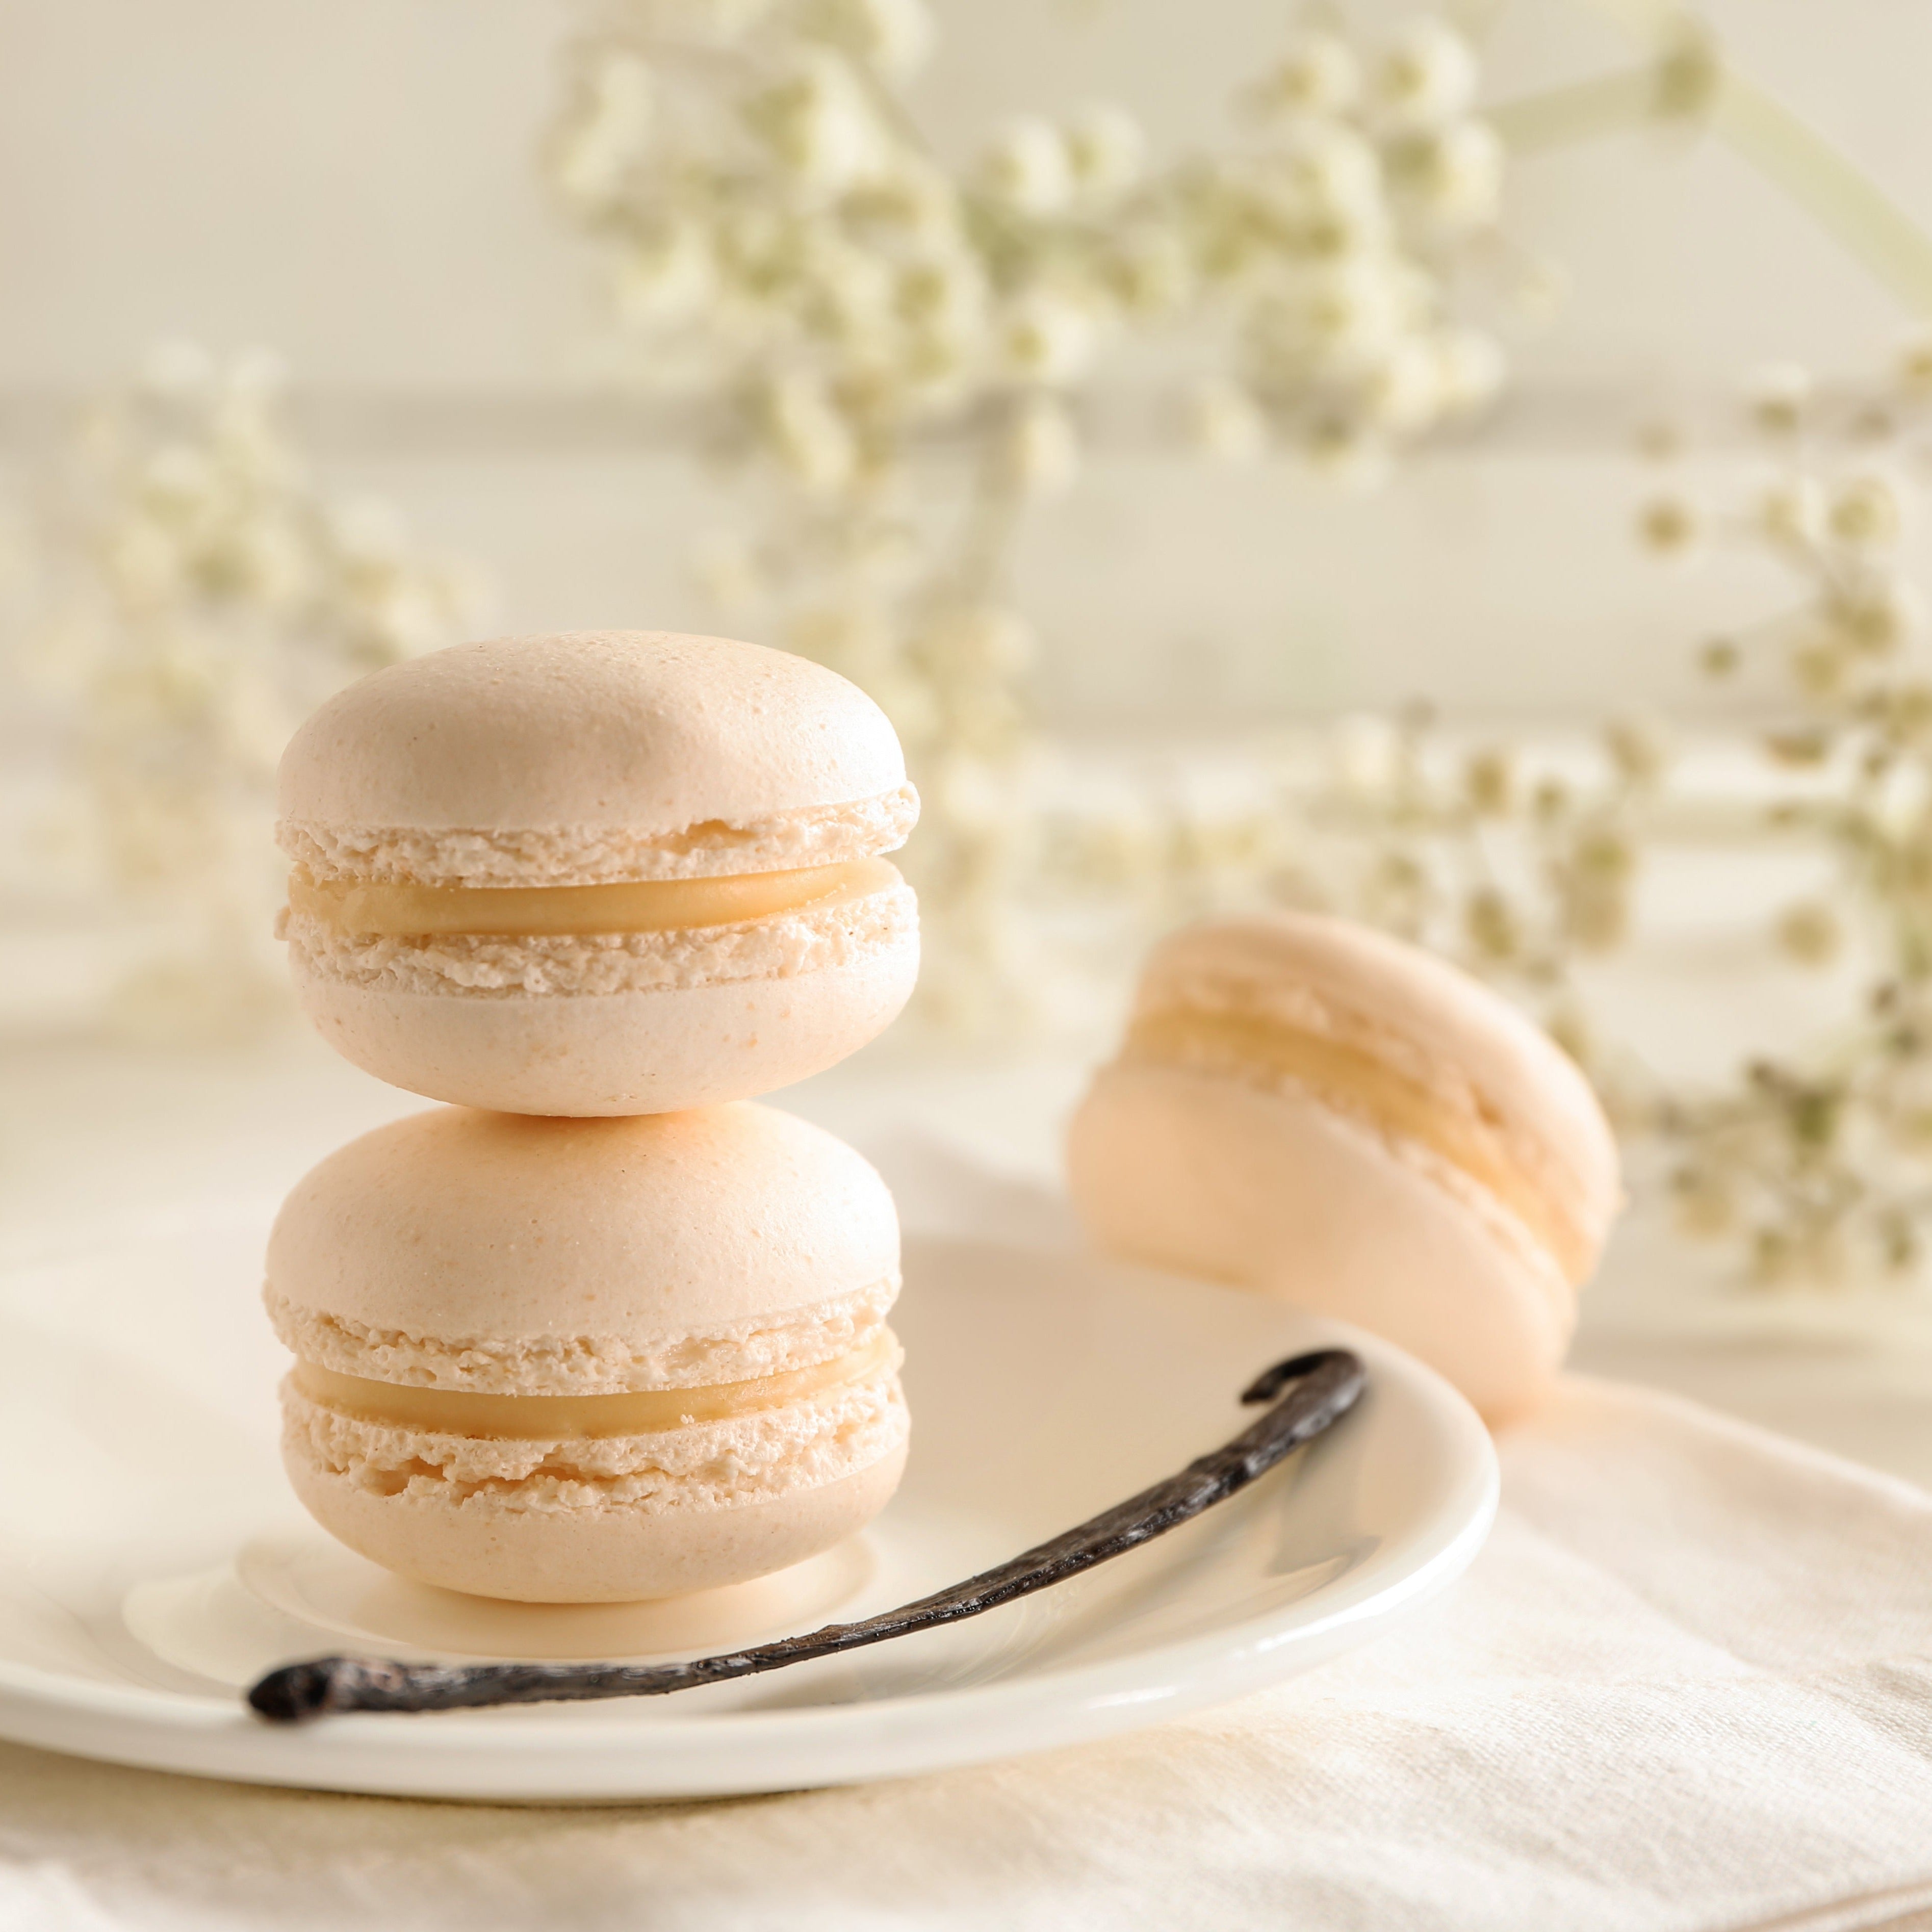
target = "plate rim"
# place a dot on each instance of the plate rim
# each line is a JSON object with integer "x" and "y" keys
{"x": 561, "y": 1759}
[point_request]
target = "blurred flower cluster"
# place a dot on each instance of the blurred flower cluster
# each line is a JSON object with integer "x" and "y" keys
{"x": 1821, "y": 1162}
{"x": 900, "y": 348}
{"x": 203, "y": 592}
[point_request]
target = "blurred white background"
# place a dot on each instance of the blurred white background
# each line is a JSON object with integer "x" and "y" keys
{"x": 357, "y": 187}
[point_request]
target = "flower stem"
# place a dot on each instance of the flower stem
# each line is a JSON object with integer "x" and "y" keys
{"x": 1787, "y": 150}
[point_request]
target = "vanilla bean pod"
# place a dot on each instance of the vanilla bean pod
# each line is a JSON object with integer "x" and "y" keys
{"x": 1319, "y": 1387}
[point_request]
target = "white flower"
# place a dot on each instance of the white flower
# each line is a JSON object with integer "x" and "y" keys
{"x": 1105, "y": 151}
{"x": 818, "y": 123}
{"x": 667, "y": 275}
{"x": 1349, "y": 314}
{"x": 1319, "y": 76}
{"x": 1403, "y": 393}
{"x": 942, "y": 302}
{"x": 1027, "y": 168}
{"x": 1426, "y": 78}
{"x": 1344, "y": 453}
{"x": 1046, "y": 338}
{"x": 1790, "y": 512}
{"x": 1328, "y": 173}
{"x": 1878, "y": 615}
{"x": 1456, "y": 177}
{"x": 809, "y": 436}
{"x": 1040, "y": 453}
{"x": 1668, "y": 524}
{"x": 1867, "y": 512}
{"x": 1471, "y": 369}
{"x": 596, "y": 152}
{"x": 1779, "y": 394}
{"x": 894, "y": 36}
{"x": 1224, "y": 421}
{"x": 1914, "y": 365}
{"x": 1363, "y": 755}
{"x": 1151, "y": 272}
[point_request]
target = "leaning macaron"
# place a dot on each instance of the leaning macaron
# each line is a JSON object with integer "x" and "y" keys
{"x": 590, "y": 1360}
{"x": 1305, "y": 1106}
{"x": 604, "y": 872}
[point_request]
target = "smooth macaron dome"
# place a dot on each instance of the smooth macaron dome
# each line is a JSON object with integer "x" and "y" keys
{"x": 1306, "y": 1105}
{"x": 580, "y": 1361}
{"x": 601, "y": 872}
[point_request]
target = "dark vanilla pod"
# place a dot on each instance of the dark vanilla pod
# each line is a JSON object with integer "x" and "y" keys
{"x": 1320, "y": 1388}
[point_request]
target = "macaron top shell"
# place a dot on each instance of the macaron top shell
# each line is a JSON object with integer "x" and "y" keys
{"x": 593, "y": 755}
{"x": 496, "y": 1251}
{"x": 1411, "y": 1010}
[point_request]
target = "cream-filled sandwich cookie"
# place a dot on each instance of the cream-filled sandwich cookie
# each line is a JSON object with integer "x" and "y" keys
{"x": 1305, "y": 1106}
{"x": 604, "y": 872}
{"x": 566, "y": 1360}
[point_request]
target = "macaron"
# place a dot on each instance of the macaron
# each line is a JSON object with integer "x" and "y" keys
{"x": 603, "y": 872}
{"x": 559, "y": 1360}
{"x": 1305, "y": 1106}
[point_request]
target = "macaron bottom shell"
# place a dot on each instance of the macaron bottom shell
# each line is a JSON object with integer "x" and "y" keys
{"x": 578, "y": 1546}
{"x": 658, "y": 1050}
{"x": 1282, "y": 1191}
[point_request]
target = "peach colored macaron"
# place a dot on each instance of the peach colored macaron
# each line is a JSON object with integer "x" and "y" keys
{"x": 603, "y": 872}
{"x": 590, "y": 1360}
{"x": 1308, "y": 1107}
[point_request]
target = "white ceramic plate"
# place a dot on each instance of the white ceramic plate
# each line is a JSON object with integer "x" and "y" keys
{"x": 151, "y": 1561}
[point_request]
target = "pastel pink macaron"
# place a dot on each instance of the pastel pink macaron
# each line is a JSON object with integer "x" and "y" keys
{"x": 1305, "y": 1106}
{"x": 561, "y": 1360}
{"x": 603, "y": 872}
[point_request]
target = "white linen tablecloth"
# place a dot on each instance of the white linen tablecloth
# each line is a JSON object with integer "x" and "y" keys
{"x": 1688, "y": 1685}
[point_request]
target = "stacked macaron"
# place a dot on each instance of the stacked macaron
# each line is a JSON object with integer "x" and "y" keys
{"x": 623, "y": 1335}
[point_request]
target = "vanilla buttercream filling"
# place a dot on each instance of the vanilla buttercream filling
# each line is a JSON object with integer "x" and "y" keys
{"x": 386, "y": 911}
{"x": 579, "y": 1417}
{"x": 1255, "y": 1046}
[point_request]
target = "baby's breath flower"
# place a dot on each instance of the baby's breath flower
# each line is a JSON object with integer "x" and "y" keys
{"x": 1105, "y": 151}
{"x": 1469, "y": 371}
{"x": 1223, "y": 420}
{"x": 1027, "y": 168}
{"x": 665, "y": 275}
{"x": 1779, "y": 394}
{"x": 1914, "y": 366}
{"x": 1488, "y": 781}
{"x": 819, "y": 125}
{"x": 1810, "y": 933}
{"x": 1866, "y": 512}
{"x": 1637, "y": 750}
{"x": 598, "y": 148}
{"x": 893, "y": 36}
{"x": 1318, "y": 76}
{"x": 1040, "y": 455}
{"x": 1489, "y": 924}
{"x": 1790, "y": 512}
{"x": 1047, "y": 338}
{"x": 1454, "y": 178}
{"x": 810, "y": 437}
{"x": 1668, "y": 524}
{"x": 1426, "y": 78}
{"x": 1327, "y": 172}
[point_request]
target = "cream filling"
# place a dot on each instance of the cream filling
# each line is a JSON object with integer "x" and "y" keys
{"x": 655, "y": 905}
{"x": 1246, "y": 1045}
{"x": 530, "y": 1418}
